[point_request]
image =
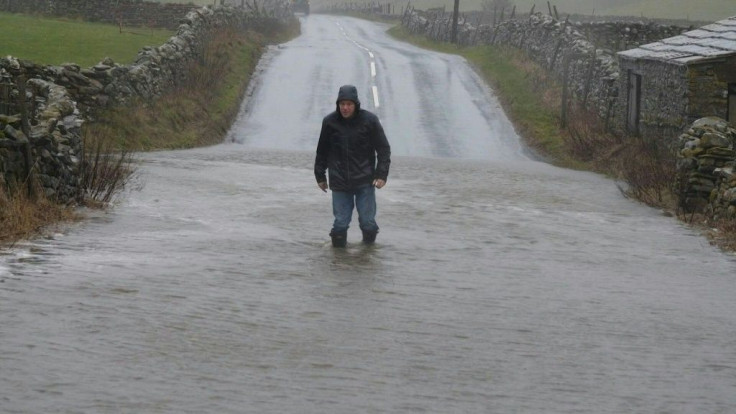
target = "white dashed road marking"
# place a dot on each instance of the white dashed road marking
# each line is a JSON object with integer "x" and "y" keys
{"x": 375, "y": 96}
{"x": 374, "y": 88}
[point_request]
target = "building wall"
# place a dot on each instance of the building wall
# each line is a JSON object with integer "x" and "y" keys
{"x": 674, "y": 96}
{"x": 708, "y": 88}
{"x": 663, "y": 99}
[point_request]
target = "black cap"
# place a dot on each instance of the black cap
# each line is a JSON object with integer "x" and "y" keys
{"x": 348, "y": 93}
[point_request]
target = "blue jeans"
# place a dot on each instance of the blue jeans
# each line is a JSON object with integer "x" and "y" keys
{"x": 364, "y": 198}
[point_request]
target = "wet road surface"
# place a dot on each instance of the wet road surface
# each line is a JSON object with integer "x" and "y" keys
{"x": 498, "y": 283}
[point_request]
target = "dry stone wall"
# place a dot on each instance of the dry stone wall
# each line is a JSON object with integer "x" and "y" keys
{"x": 48, "y": 148}
{"x": 706, "y": 168}
{"x": 61, "y": 98}
{"x": 618, "y": 36}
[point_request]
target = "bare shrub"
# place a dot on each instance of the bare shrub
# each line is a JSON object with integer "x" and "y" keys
{"x": 105, "y": 170}
{"x": 587, "y": 140}
{"x": 646, "y": 167}
{"x": 649, "y": 171}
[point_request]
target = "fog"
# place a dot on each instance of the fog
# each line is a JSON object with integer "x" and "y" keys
{"x": 700, "y": 11}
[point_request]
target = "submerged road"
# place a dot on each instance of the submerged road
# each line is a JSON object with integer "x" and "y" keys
{"x": 498, "y": 284}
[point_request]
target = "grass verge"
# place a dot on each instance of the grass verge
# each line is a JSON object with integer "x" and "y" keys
{"x": 55, "y": 41}
{"x": 199, "y": 111}
{"x": 22, "y": 217}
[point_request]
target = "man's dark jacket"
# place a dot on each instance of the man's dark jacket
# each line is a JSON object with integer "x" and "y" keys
{"x": 348, "y": 148}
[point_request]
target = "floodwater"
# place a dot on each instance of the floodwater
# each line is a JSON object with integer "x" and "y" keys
{"x": 498, "y": 283}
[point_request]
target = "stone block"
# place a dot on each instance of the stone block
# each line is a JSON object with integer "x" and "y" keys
{"x": 722, "y": 153}
{"x": 15, "y": 134}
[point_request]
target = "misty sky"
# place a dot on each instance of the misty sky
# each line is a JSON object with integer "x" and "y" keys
{"x": 699, "y": 10}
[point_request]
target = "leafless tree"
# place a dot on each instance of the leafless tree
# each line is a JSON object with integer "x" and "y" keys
{"x": 497, "y": 9}
{"x": 490, "y": 5}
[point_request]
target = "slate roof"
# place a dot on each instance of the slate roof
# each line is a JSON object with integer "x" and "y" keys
{"x": 708, "y": 42}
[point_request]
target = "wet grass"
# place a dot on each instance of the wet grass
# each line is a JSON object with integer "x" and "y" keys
{"x": 56, "y": 41}
{"x": 23, "y": 216}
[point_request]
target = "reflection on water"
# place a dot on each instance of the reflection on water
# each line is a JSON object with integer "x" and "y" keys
{"x": 510, "y": 287}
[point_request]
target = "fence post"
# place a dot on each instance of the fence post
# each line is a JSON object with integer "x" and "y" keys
{"x": 26, "y": 128}
{"x": 477, "y": 28}
{"x": 6, "y": 85}
{"x": 589, "y": 78}
{"x": 565, "y": 88}
{"x": 565, "y": 75}
{"x": 455, "y": 13}
{"x": 495, "y": 33}
{"x": 554, "y": 55}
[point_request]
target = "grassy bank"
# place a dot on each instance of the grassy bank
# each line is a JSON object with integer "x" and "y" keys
{"x": 198, "y": 112}
{"x": 56, "y": 41}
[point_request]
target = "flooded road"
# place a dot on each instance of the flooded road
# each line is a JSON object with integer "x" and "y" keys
{"x": 498, "y": 283}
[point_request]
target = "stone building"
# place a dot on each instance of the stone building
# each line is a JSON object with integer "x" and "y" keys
{"x": 666, "y": 85}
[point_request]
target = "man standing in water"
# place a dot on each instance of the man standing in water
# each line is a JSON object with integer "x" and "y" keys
{"x": 354, "y": 150}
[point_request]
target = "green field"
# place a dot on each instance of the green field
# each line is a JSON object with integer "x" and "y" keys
{"x": 53, "y": 41}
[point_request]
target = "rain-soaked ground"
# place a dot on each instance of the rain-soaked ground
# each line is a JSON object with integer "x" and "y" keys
{"x": 498, "y": 283}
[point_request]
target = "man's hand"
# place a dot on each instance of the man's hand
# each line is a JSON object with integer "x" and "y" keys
{"x": 322, "y": 186}
{"x": 379, "y": 183}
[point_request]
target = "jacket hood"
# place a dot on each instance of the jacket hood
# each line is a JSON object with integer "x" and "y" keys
{"x": 348, "y": 93}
